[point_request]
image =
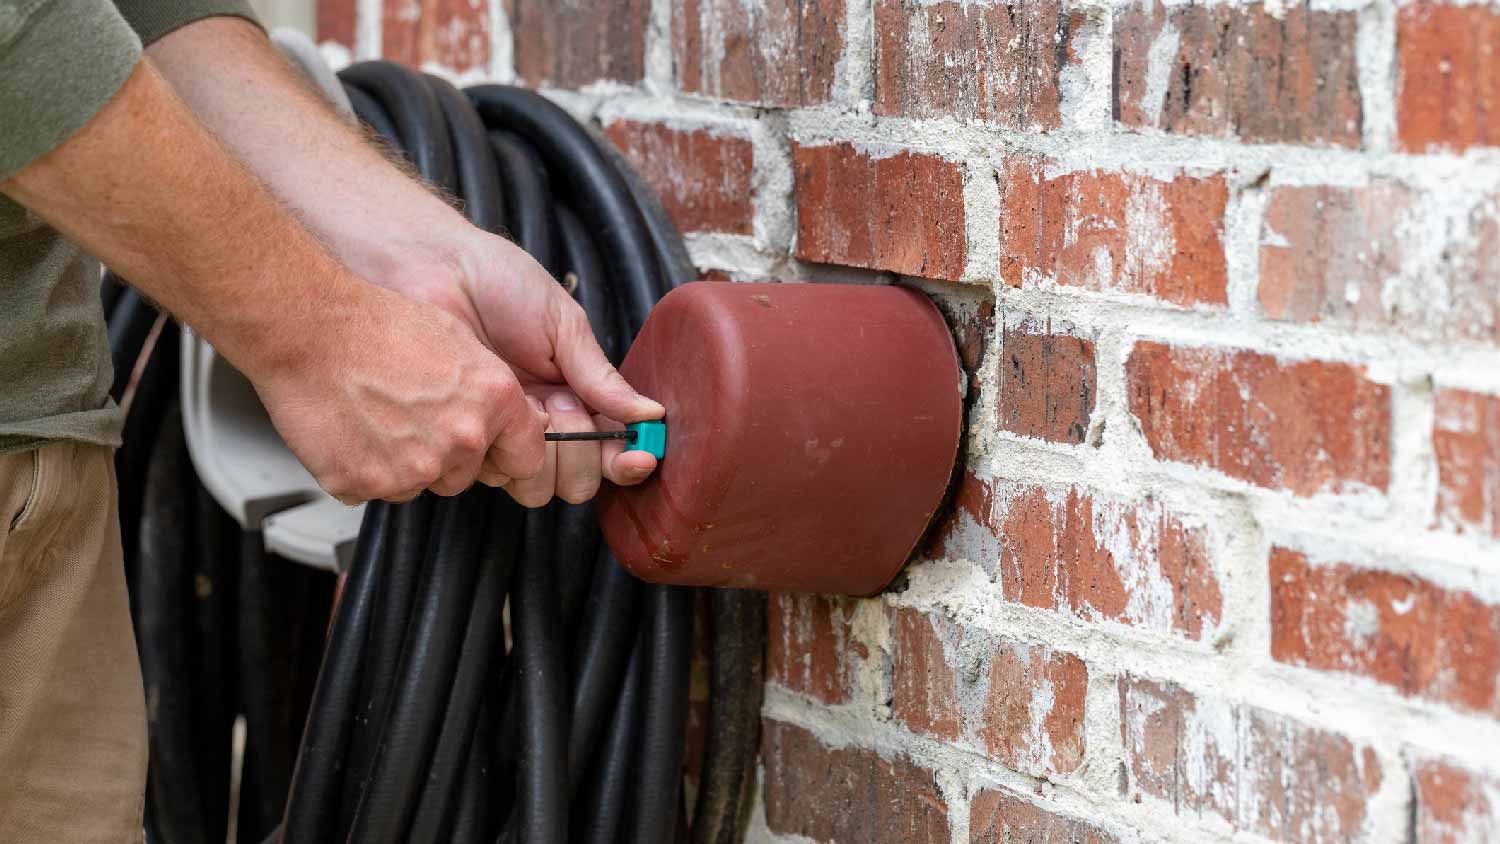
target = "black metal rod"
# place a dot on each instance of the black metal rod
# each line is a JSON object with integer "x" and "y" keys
{"x": 585, "y": 436}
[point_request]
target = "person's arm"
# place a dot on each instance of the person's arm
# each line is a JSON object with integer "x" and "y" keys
{"x": 378, "y": 394}
{"x": 394, "y": 231}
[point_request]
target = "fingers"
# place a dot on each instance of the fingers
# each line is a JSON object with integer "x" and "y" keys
{"x": 518, "y": 451}
{"x": 466, "y": 454}
{"x": 403, "y": 497}
{"x": 491, "y": 476}
{"x": 536, "y": 490}
{"x": 590, "y": 375}
{"x": 621, "y": 467}
{"x": 578, "y": 465}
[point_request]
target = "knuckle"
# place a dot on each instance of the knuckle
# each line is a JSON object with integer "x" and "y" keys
{"x": 423, "y": 470}
{"x": 501, "y": 390}
{"x": 469, "y": 436}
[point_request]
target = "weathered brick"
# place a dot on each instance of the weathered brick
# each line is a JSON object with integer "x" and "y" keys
{"x": 775, "y": 53}
{"x": 902, "y": 212}
{"x": 1135, "y": 563}
{"x": 810, "y": 647}
{"x": 1093, "y": 557}
{"x": 1119, "y": 232}
{"x": 973, "y": 332}
{"x": 335, "y": 22}
{"x": 1303, "y": 426}
{"x": 1455, "y": 805}
{"x": 1242, "y": 71}
{"x": 847, "y": 795}
{"x": 1003, "y": 817}
{"x": 924, "y": 693}
{"x": 1047, "y": 383}
{"x": 1420, "y": 638}
{"x": 703, "y": 176}
{"x": 572, "y": 43}
{"x": 1000, "y": 62}
{"x": 454, "y": 34}
{"x": 1448, "y": 77}
{"x": 1466, "y": 439}
{"x": 1383, "y": 257}
{"x": 1022, "y": 704}
{"x": 966, "y": 530}
{"x": 1261, "y": 771}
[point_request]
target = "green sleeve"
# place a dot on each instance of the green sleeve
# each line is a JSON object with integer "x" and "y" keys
{"x": 152, "y": 19}
{"x": 60, "y": 62}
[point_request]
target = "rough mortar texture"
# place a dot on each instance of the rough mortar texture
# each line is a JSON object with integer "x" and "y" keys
{"x": 1223, "y": 561}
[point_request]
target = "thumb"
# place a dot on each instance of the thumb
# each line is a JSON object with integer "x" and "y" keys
{"x": 590, "y": 375}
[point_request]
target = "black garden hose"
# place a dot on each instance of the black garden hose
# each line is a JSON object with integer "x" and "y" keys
{"x": 428, "y": 723}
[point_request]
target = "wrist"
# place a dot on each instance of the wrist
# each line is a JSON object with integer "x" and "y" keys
{"x": 437, "y": 268}
{"x": 273, "y": 337}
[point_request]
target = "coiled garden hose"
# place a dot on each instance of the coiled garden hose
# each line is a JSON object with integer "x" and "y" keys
{"x": 423, "y": 726}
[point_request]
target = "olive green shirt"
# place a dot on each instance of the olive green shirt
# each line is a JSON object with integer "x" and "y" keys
{"x": 60, "y": 62}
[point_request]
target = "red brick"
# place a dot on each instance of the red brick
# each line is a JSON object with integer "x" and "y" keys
{"x": 973, "y": 332}
{"x": 1093, "y": 557}
{"x": 1259, "y": 770}
{"x": 1414, "y": 635}
{"x": 1454, "y": 805}
{"x": 1119, "y": 232}
{"x": 1303, "y": 426}
{"x": 703, "y": 176}
{"x": 1466, "y": 438}
{"x": 335, "y": 21}
{"x": 454, "y": 34}
{"x": 573, "y": 44}
{"x": 1448, "y": 77}
{"x": 924, "y": 688}
{"x": 1239, "y": 71}
{"x": 1022, "y": 704}
{"x": 1047, "y": 383}
{"x": 847, "y": 795}
{"x": 1135, "y": 563}
{"x": 966, "y": 530}
{"x": 775, "y": 52}
{"x": 810, "y": 648}
{"x": 902, "y": 212}
{"x": 999, "y": 62}
{"x": 1003, "y": 817}
{"x": 1368, "y": 257}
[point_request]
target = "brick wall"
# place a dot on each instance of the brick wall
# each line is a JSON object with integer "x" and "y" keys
{"x": 1224, "y": 564}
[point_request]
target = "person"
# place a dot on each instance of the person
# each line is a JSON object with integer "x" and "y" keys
{"x": 396, "y": 347}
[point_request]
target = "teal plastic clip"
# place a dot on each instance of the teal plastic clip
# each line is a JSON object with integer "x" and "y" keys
{"x": 649, "y": 436}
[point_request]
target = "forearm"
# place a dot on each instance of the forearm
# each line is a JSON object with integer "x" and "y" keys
{"x": 375, "y": 218}
{"x": 144, "y": 187}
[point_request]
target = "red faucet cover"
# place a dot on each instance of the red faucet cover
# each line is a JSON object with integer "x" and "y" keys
{"x": 811, "y": 435}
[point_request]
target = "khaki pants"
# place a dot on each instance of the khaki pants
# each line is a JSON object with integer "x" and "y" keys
{"x": 72, "y": 711}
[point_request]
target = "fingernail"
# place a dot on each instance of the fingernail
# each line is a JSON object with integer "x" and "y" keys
{"x": 563, "y": 401}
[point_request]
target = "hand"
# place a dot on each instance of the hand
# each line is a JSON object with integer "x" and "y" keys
{"x": 386, "y": 228}
{"x": 392, "y": 396}
{"x": 520, "y": 312}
